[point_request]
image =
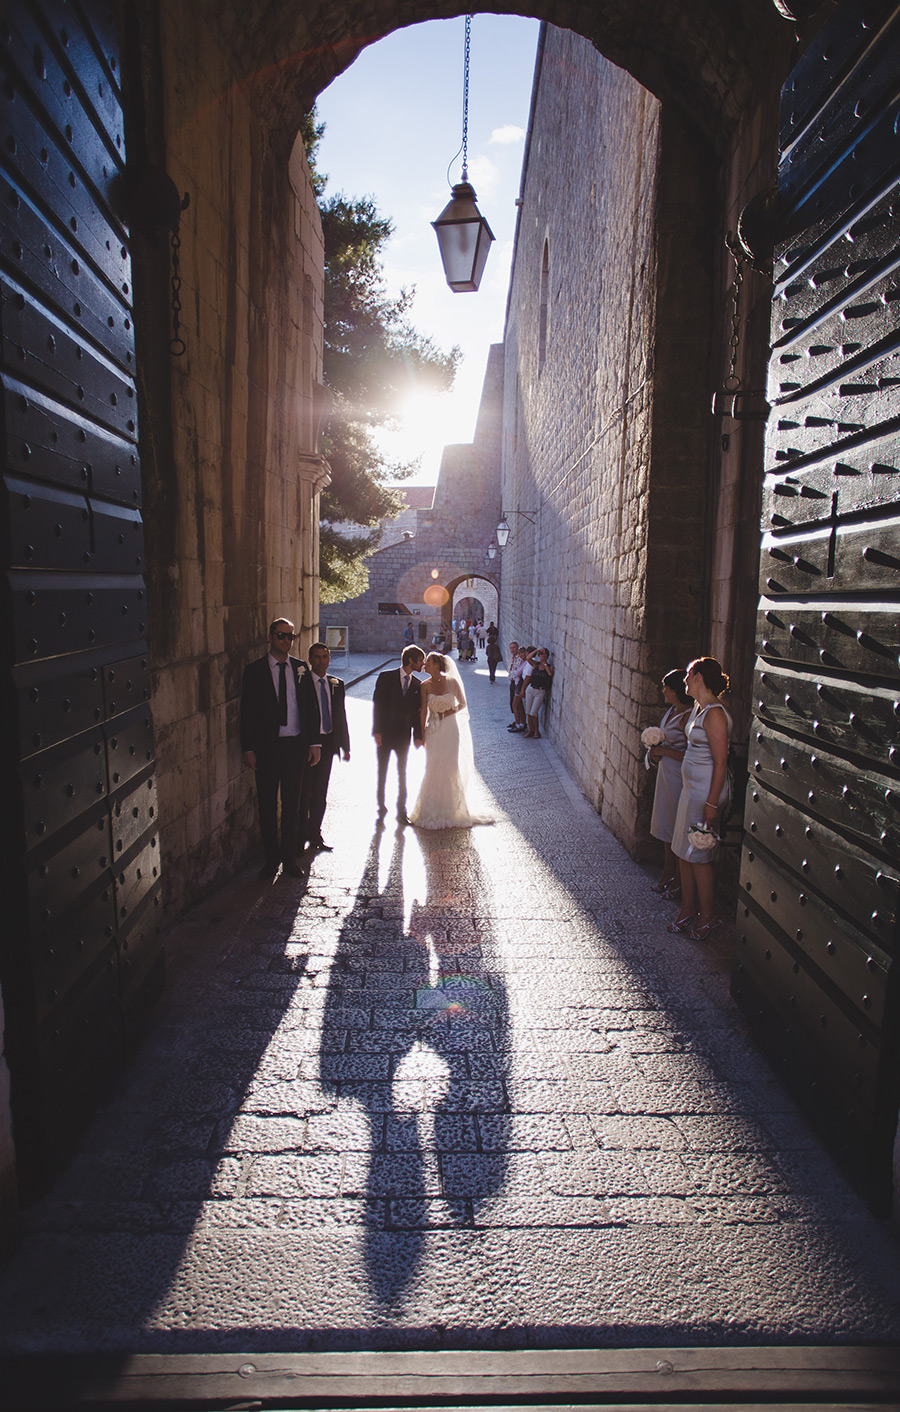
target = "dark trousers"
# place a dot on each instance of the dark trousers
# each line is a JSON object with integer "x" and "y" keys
{"x": 280, "y": 770}
{"x": 383, "y": 752}
{"x": 315, "y": 794}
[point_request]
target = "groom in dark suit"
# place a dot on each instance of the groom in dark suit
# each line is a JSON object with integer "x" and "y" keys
{"x": 277, "y": 741}
{"x": 397, "y": 701}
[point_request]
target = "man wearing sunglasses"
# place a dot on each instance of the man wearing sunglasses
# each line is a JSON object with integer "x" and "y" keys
{"x": 277, "y": 731}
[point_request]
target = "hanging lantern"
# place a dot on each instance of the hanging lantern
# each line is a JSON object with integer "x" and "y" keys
{"x": 464, "y": 236}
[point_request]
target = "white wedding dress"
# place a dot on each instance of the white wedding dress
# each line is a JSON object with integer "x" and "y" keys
{"x": 442, "y": 802}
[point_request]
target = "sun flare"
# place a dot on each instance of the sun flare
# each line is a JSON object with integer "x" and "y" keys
{"x": 427, "y": 423}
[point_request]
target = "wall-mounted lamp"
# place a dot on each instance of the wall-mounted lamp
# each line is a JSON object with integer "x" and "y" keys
{"x": 503, "y": 529}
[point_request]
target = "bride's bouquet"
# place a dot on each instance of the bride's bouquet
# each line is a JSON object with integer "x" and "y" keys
{"x": 702, "y": 837}
{"x": 650, "y": 736}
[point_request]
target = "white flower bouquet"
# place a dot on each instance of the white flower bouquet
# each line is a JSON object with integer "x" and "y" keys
{"x": 650, "y": 736}
{"x": 702, "y": 837}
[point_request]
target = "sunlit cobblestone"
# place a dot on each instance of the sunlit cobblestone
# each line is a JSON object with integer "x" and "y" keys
{"x": 458, "y": 1089}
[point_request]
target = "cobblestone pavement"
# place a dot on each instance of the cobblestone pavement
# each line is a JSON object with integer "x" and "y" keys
{"x": 461, "y": 1089}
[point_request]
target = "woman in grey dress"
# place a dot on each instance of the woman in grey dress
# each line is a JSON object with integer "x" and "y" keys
{"x": 668, "y": 758}
{"x": 704, "y": 795}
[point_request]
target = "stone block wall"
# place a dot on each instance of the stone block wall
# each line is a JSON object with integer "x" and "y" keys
{"x": 644, "y": 548}
{"x": 578, "y": 411}
{"x": 229, "y": 435}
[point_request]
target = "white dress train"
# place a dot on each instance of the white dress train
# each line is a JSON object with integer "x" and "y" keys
{"x": 442, "y": 802}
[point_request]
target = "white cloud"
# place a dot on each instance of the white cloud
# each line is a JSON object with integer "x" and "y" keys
{"x": 483, "y": 175}
{"x": 507, "y": 134}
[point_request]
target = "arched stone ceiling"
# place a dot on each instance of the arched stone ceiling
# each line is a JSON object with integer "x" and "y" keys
{"x": 706, "y": 55}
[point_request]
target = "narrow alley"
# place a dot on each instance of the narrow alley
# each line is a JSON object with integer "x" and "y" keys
{"x": 460, "y": 1091}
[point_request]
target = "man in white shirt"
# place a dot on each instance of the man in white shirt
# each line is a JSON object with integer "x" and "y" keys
{"x": 278, "y": 732}
{"x": 325, "y": 695}
{"x": 516, "y": 667}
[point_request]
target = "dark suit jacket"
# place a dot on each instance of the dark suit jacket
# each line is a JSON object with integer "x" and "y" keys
{"x": 395, "y": 715}
{"x": 259, "y": 706}
{"x": 340, "y": 735}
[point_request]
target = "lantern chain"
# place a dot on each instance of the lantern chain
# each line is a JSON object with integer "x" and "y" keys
{"x": 733, "y": 382}
{"x": 465, "y": 131}
{"x": 177, "y": 344}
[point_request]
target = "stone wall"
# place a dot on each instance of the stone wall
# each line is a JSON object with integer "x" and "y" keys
{"x": 577, "y": 411}
{"x": 228, "y": 432}
{"x": 423, "y": 573}
{"x": 644, "y": 545}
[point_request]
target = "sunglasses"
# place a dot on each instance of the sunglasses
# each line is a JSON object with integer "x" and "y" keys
{"x": 288, "y": 636}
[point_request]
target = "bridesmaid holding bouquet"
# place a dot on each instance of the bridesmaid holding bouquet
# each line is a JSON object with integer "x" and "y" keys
{"x": 704, "y": 797}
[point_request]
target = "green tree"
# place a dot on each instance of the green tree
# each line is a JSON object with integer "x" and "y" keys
{"x": 373, "y": 358}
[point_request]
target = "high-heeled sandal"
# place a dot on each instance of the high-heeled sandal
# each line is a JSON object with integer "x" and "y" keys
{"x": 684, "y": 926}
{"x": 673, "y": 894}
{"x": 701, "y": 933}
{"x": 662, "y": 887}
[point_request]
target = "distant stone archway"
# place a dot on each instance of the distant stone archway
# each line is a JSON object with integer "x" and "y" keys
{"x": 482, "y": 588}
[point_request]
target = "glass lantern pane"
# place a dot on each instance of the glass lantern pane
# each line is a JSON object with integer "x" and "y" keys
{"x": 459, "y": 244}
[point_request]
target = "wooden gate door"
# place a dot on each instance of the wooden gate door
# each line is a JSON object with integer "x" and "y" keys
{"x": 80, "y": 950}
{"x": 818, "y": 936}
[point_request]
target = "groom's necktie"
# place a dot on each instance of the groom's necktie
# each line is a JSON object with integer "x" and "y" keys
{"x": 405, "y": 683}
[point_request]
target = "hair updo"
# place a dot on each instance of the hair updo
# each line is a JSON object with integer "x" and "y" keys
{"x": 675, "y": 682}
{"x": 714, "y": 678}
{"x": 439, "y": 658}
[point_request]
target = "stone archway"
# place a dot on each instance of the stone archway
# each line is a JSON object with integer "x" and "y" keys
{"x": 478, "y": 589}
{"x": 706, "y": 57}
{"x": 223, "y": 443}
{"x": 228, "y": 433}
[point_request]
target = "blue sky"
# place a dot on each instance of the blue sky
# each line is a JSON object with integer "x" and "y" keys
{"x": 393, "y": 124}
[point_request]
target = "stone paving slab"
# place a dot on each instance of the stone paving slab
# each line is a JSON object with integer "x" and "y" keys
{"x": 454, "y": 1090}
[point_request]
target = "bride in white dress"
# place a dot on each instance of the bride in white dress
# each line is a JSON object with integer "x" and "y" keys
{"x": 442, "y": 802}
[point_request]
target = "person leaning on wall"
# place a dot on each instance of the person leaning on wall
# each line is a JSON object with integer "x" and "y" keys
{"x": 536, "y": 688}
{"x": 705, "y": 791}
{"x": 278, "y": 734}
{"x": 324, "y": 695}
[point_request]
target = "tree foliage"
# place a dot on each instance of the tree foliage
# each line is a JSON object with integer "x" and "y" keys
{"x": 373, "y": 358}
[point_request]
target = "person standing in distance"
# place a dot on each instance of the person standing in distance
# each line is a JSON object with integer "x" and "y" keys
{"x": 397, "y": 712}
{"x": 278, "y": 729}
{"x": 325, "y": 698}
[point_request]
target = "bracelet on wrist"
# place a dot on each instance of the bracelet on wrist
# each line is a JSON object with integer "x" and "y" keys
{"x": 712, "y": 806}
